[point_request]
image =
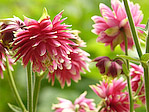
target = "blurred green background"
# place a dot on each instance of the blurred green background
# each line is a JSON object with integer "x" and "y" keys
{"x": 79, "y": 13}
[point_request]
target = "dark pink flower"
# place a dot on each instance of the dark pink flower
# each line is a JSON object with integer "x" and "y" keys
{"x": 137, "y": 74}
{"x": 45, "y": 43}
{"x": 81, "y": 104}
{"x": 72, "y": 70}
{"x": 109, "y": 67}
{"x": 114, "y": 99}
{"x": 49, "y": 45}
{"x": 114, "y": 23}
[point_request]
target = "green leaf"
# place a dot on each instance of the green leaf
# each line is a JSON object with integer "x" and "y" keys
{"x": 125, "y": 69}
{"x": 145, "y": 57}
{"x": 44, "y": 14}
{"x": 129, "y": 58}
{"x": 14, "y": 108}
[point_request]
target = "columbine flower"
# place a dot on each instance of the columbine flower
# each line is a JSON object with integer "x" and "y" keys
{"x": 81, "y": 104}
{"x": 78, "y": 63}
{"x": 3, "y": 60}
{"x": 7, "y": 29}
{"x": 63, "y": 106}
{"x": 114, "y": 23}
{"x": 109, "y": 67}
{"x": 114, "y": 100}
{"x": 47, "y": 44}
{"x": 137, "y": 74}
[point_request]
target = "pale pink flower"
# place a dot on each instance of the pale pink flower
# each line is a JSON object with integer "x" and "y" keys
{"x": 137, "y": 75}
{"x": 114, "y": 99}
{"x": 49, "y": 45}
{"x": 114, "y": 23}
{"x": 63, "y": 106}
{"x": 81, "y": 104}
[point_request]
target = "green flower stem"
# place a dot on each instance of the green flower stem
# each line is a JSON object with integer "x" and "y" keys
{"x": 131, "y": 102}
{"x": 29, "y": 88}
{"x": 101, "y": 108}
{"x": 135, "y": 37}
{"x": 146, "y": 81}
{"x": 133, "y": 29}
{"x": 13, "y": 86}
{"x": 139, "y": 88}
{"x": 37, "y": 84}
{"x": 130, "y": 93}
{"x": 147, "y": 42}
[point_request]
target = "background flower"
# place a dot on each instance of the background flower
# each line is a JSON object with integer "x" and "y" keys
{"x": 81, "y": 104}
{"x": 79, "y": 61}
{"x": 113, "y": 98}
{"x": 137, "y": 73}
{"x": 113, "y": 25}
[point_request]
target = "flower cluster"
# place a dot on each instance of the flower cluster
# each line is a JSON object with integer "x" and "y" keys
{"x": 49, "y": 45}
{"x": 109, "y": 67}
{"x": 136, "y": 72}
{"x": 113, "y": 26}
{"x": 81, "y": 104}
{"x": 114, "y": 100}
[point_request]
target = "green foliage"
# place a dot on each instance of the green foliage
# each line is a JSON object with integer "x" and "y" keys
{"x": 14, "y": 108}
{"x": 79, "y": 13}
{"x": 145, "y": 57}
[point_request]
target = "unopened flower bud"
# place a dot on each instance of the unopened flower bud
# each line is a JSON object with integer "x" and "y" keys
{"x": 109, "y": 67}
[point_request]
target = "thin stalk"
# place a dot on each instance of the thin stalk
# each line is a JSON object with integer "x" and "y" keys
{"x": 137, "y": 44}
{"x": 133, "y": 29}
{"x": 37, "y": 84}
{"x": 147, "y": 42}
{"x": 146, "y": 81}
{"x": 131, "y": 106}
{"x": 139, "y": 88}
{"x": 13, "y": 86}
{"x": 101, "y": 108}
{"x": 29, "y": 88}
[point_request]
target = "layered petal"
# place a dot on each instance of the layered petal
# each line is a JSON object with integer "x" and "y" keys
{"x": 113, "y": 26}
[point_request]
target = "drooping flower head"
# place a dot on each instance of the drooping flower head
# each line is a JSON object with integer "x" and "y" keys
{"x": 81, "y": 104}
{"x": 48, "y": 45}
{"x": 109, "y": 67}
{"x": 137, "y": 74}
{"x": 113, "y": 24}
{"x": 114, "y": 99}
